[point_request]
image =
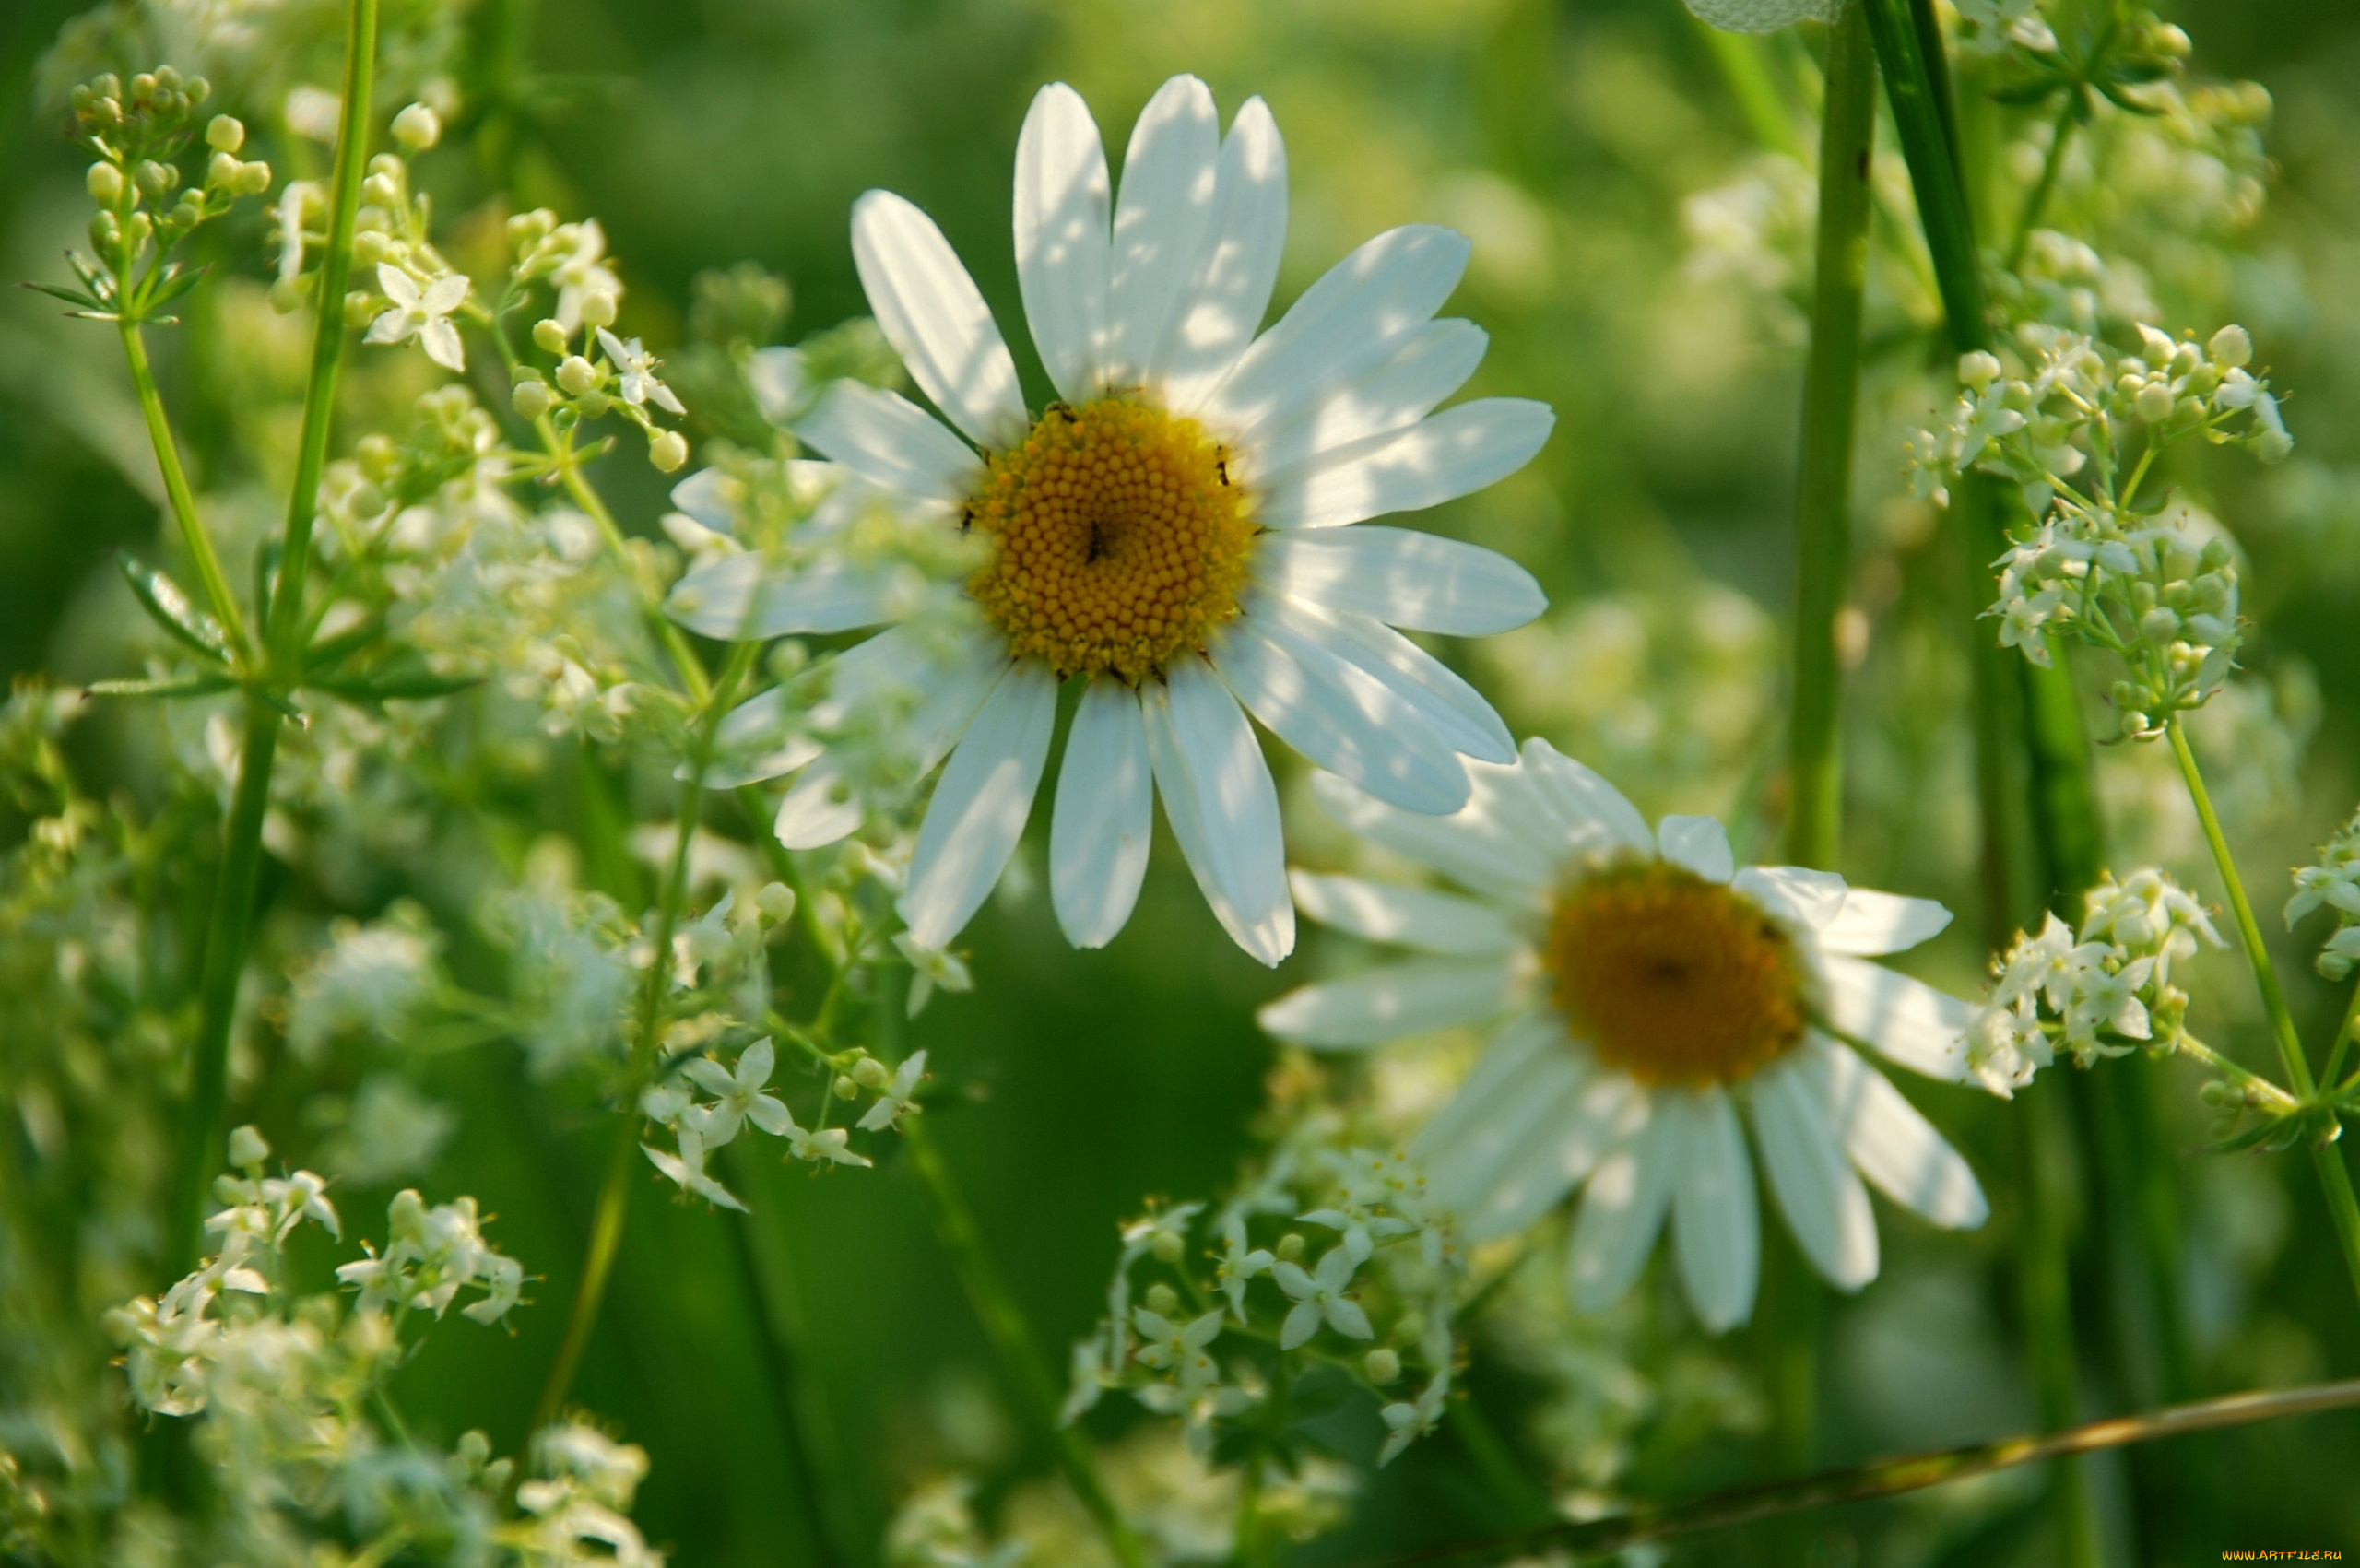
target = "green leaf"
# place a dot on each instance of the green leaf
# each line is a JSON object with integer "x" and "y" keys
{"x": 170, "y": 607}
{"x": 176, "y": 281}
{"x": 179, "y": 685}
{"x": 71, "y": 296}
{"x": 329, "y": 651}
{"x": 398, "y": 678}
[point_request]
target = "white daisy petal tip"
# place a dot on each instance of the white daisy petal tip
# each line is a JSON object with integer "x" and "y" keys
{"x": 1699, "y": 843}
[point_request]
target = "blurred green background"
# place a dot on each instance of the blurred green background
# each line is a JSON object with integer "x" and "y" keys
{"x": 1563, "y": 136}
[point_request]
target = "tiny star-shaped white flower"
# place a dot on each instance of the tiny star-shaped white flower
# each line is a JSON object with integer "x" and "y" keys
{"x": 824, "y": 1144}
{"x": 894, "y": 1102}
{"x": 635, "y": 368}
{"x": 687, "y": 1169}
{"x": 738, "y": 1096}
{"x": 425, "y": 316}
{"x": 1318, "y": 1294}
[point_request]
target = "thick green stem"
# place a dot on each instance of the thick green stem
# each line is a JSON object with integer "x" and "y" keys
{"x": 1891, "y": 1478}
{"x": 1824, "y": 478}
{"x": 225, "y": 963}
{"x": 1012, "y": 1341}
{"x": 223, "y": 602}
{"x": 284, "y": 615}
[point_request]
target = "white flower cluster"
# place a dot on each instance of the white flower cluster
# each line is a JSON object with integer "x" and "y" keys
{"x": 430, "y": 1255}
{"x": 1392, "y": 1249}
{"x": 371, "y": 979}
{"x": 2332, "y": 881}
{"x": 740, "y": 1098}
{"x": 578, "y": 1507}
{"x": 2101, "y": 990}
{"x": 604, "y": 374}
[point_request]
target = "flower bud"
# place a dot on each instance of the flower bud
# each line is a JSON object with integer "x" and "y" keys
{"x": 224, "y": 134}
{"x": 2134, "y": 724}
{"x": 1162, "y": 1298}
{"x": 869, "y": 1072}
{"x": 1412, "y": 1327}
{"x": 380, "y": 190}
{"x": 221, "y": 171}
{"x": 153, "y": 178}
{"x": 359, "y": 309}
{"x": 776, "y": 901}
{"x": 105, "y": 184}
{"x": 845, "y": 1089}
{"x": 598, "y": 308}
{"x": 1978, "y": 370}
{"x": 1290, "y": 1247}
{"x": 417, "y": 127}
{"x": 254, "y": 178}
{"x": 105, "y": 232}
{"x": 138, "y": 229}
{"x": 2153, "y": 403}
{"x": 2221, "y": 1095}
{"x": 1382, "y": 1365}
{"x": 532, "y": 398}
{"x": 2159, "y": 625}
{"x": 577, "y": 375}
{"x": 549, "y": 337}
{"x": 1167, "y": 1246}
{"x": 366, "y": 501}
{"x": 667, "y": 449}
{"x": 378, "y": 456}
{"x": 143, "y": 86}
{"x": 370, "y": 247}
{"x": 247, "y": 1146}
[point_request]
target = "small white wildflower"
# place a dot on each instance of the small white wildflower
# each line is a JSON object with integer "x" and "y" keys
{"x": 897, "y": 1100}
{"x": 1319, "y": 1294}
{"x": 739, "y": 1095}
{"x": 635, "y": 370}
{"x": 424, "y": 315}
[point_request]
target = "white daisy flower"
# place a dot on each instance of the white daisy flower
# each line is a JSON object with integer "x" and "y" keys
{"x": 1643, "y": 992}
{"x": 1172, "y": 533}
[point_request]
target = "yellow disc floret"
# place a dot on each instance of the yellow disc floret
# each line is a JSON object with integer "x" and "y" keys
{"x": 1118, "y": 543}
{"x": 1674, "y": 979}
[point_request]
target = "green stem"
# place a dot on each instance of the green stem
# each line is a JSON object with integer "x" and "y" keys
{"x": 225, "y": 964}
{"x": 2060, "y": 135}
{"x": 176, "y": 492}
{"x": 1891, "y": 1478}
{"x": 284, "y": 615}
{"x": 2335, "y": 1176}
{"x": 598, "y": 1262}
{"x": 2044, "y": 1295}
{"x": 1824, "y": 479}
{"x": 1012, "y": 1341}
{"x": 2274, "y": 1099}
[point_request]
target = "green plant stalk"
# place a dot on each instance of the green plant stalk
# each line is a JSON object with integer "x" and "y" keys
{"x": 2335, "y": 1177}
{"x": 1823, "y": 476}
{"x": 2044, "y": 1295}
{"x": 200, "y": 1150}
{"x": 223, "y": 603}
{"x": 1891, "y": 1478}
{"x": 284, "y": 616}
{"x": 1012, "y": 1341}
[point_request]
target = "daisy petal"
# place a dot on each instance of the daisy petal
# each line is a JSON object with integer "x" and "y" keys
{"x": 1338, "y": 714}
{"x": 747, "y": 596}
{"x": 1433, "y": 362}
{"x": 1171, "y": 175}
{"x": 1222, "y": 806}
{"x": 1872, "y": 923}
{"x": 1450, "y": 454}
{"x": 1403, "y": 578}
{"x": 890, "y": 441}
{"x": 1716, "y": 1227}
{"x": 1099, "y": 831}
{"x": 979, "y": 807}
{"x": 1395, "y": 1002}
{"x": 1581, "y": 1124}
{"x": 1496, "y": 1084}
{"x": 1461, "y": 715}
{"x": 1593, "y": 815}
{"x": 758, "y": 722}
{"x": 1700, "y": 844}
{"x": 818, "y": 810}
{"x": 1623, "y": 1213}
{"x": 1797, "y": 892}
{"x": 1355, "y": 316}
{"x": 1904, "y": 1019}
{"x": 708, "y": 495}
{"x": 1893, "y": 1146}
{"x": 1236, "y": 268}
{"x": 932, "y": 313}
{"x": 1472, "y": 847}
{"x": 941, "y": 682}
{"x": 1061, "y": 256}
{"x": 1413, "y": 918}
{"x": 1466, "y": 1157}
{"x": 1824, "y": 1204}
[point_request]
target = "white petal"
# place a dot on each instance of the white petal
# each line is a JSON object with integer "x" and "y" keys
{"x": 1824, "y": 1204}
{"x": 398, "y": 286}
{"x": 1498, "y": 1082}
{"x": 1461, "y": 715}
{"x": 1794, "y": 892}
{"x": 1170, "y": 178}
{"x": 1893, "y": 1144}
{"x": 939, "y": 682}
{"x": 777, "y": 378}
{"x": 1222, "y": 806}
{"x": 818, "y": 810}
{"x": 444, "y": 295}
{"x": 980, "y": 805}
{"x": 1061, "y": 257}
{"x": 1397, "y": 1001}
{"x": 440, "y": 341}
{"x": 890, "y": 441}
{"x": 1594, "y": 815}
{"x": 1100, "y": 831}
{"x": 1700, "y": 844}
{"x": 394, "y": 326}
{"x": 1355, "y": 317}
{"x": 746, "y": 596}
{"x": 1237, "y": 265}
{"x": 1716, "y": 1227}
{"x": 754, "y": 744}
{"x": 707, "y": 496}
{"x": 1582, "y": 1123}
{"x": 1403, "y": 578}
{"x": 932, "y": 313}
{"x": 1469, "y": 1155}
{"x": 1472, "y": 847}
{"x": 1414, "y": 917}
{"x": 1455, "y": 452}
{"x": 1433, "y": 362}
{"x": 1872, "y": 923}
{"x": 1338, "y": 714}
{"x": 1904, "y": 1019}
{"x": 1623, "y": 1213}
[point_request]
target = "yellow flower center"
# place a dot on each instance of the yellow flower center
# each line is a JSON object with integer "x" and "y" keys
{"x": 1675, "y": 980}
{"x": 1119, "y": 543}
